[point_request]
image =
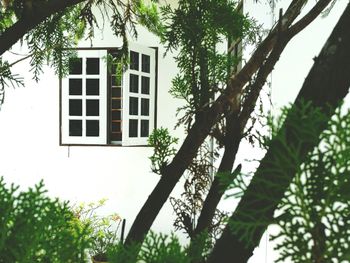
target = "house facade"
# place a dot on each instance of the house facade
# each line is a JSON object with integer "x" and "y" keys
{"x": 86, "y": 135}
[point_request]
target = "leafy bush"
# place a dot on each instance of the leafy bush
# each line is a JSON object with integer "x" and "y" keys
{"x": 36, "y": 228}
{"x": 103, "y": 229}
{"x": 157, "y": 248}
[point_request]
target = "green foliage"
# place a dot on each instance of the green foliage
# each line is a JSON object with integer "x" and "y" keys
{"x": 35, "y": 228}
{"x": 194, "y": 29}
{"x": 103, "y": 229}
{"x": 161, "y": 248}
{"x": 157, "y": 248}
{"x": 7, "y": 78}
{"x": 288, "y": 144}
{"x": 163, "y": 148}
{"x": 315, "y": 212}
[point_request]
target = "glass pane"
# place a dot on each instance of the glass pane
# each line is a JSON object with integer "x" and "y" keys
{"x": 144, "y": 128}
{"x": 92, "y": 87}
{"x": 133, "y": 106}
{"x": 75, "y": 86}
{"x": 75, "y": 108}
{"x": 116, "y": 104}
{"x": 116, "y": 92}
{"x": 145, "y": 107}
{"x": 116, "y": 126}
{"x": 92, "y": 107}
{"x": 75, "y": 127}
{"x": 116, "y": 115}
{"x": 75, "y": 66}
{"x": 134, "y": 60}
{"x": 134, "y": 83}
{"x": 133, "y": 127}
{"x": 145, "y": 85}
{"x": 92, "y": 66}
{"x": 146, "y": 63}
{"x": 92, "y": 128}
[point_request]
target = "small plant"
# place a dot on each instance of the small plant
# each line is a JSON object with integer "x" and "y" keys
{"x": 103, "y": 231}
{"x": 163, "y": 144}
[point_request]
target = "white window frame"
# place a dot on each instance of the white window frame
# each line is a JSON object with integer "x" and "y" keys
{"x": 104, "y": 100}
{"x": 102, "y": 97}
{"x": 126, "y": 139}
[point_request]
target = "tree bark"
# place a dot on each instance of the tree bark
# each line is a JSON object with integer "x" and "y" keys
{"x": 325, "y": 86}
{"x": 32, "y": 18}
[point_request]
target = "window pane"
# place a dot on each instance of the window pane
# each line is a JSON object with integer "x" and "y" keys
{"x": 133, "y": 106}
{"x": 75, "y": 128}
{"x": 75, "y": 66}
{"x": 92, "y": 128}
{"x": 145, "y": 85}
{"x": 92, "y": 87}
{"x": 145, "y": 63}
{"x": 116, "y": 115}
{"x": 92, "y": 107}
{"x": 116, "y": 92}
{"x": 145, "y": 107}
{"x": 116, "y": 104}
{"x": 133, "y": 127}
{"x": 75, "y": 108}
{"x": 134, "y": 60}
{"x": 144, "y": 128}
{"x": 116, "y": 126}
{"x": 75, "y": 86}
{"x": 92, "y": 66}
{"x": 134, "y": 83}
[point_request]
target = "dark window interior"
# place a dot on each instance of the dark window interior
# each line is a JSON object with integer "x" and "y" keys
{"x": 133, "y": 106}
{"x": 133, "y": 127}
{"x": 144, "y": 128}
{"x": 75, "y": 108}
{"x": 92, "y": 128}
{"x": 92, "y": 107}
{"x": 134, "y": 60}
{"x": 75, "y": 66}
{"x": 116, "y": 92}
{"x": 92, "y": 66}
{"x": 145, "y": 107}
{"x": 134, "y": 83}
{"x": 92, "y": 87}
{"x": 75, "y": 86}
{"x": 146, "y": 63}
{"x": 116, "y": 127}
{"x": 116, "y": 115}
{"x": 145, "y": 85}
{"x": 75, "y": 128}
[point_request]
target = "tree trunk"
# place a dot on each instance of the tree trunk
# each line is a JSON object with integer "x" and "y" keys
{"x": 325, "y": 86}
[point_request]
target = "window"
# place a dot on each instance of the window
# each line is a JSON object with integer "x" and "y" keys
{"x": 100, "y": 106}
